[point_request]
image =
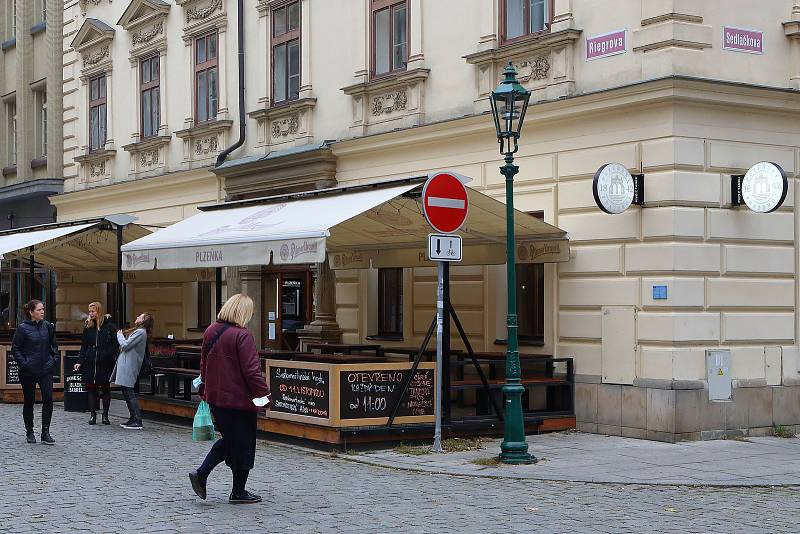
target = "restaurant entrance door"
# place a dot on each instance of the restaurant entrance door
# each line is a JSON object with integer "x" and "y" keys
{"x": 287, "y": 304}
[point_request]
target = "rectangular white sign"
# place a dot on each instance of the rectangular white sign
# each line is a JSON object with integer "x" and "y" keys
{"x": 444, "y": 247}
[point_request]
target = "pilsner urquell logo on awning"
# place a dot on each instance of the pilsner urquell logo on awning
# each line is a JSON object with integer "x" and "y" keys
{"x": 743, "y": 40}
{"x": 605, "y": 45}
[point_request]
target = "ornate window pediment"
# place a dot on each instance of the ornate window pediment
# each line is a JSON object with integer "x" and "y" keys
{"x": 85, "y": 4}
{"x": 289, "y": 125}
{"x": 202, "y": 15}
{"x": 93, "y": 43}
{"x": 145, "y": 20}
{"x": 389, "y": 102}
{"x": 546, "y": 66}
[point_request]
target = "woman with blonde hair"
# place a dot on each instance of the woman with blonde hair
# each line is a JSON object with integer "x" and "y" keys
{"x": 231, "y": 373}
{"x": 99, "y": 349}
{"x": 133, "y": 345}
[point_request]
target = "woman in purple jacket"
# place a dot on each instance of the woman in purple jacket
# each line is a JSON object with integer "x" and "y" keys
{"x": 231, "y": 373}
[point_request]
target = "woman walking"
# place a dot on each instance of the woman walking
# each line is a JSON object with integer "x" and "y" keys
{"x": 36, "y": 353}
{"x": 133, "y": 345}
{"x": 231, "y": 374}
{"x": 99, "y": 349}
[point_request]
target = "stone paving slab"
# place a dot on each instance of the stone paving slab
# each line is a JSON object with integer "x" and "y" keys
{"x": 579, "y": 457}
{"x": 103, "y": 479}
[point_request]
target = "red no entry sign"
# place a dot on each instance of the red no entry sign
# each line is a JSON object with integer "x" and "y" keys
{"x": 444, "y": 202}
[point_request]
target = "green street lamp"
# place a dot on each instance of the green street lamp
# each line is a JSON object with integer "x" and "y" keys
{"x": 509, "y": 104}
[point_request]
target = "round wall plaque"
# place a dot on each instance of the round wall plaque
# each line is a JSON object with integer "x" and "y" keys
{"x": 613, "y": 188}
{"x": 764, "y": 187}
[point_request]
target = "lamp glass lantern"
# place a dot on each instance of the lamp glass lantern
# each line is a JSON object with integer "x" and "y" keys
{"x": 509, "y": 103}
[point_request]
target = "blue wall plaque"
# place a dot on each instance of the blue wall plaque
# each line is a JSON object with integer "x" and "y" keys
{"x": 659, "y": 292}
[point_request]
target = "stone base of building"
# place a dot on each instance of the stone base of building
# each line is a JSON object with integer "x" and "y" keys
{"x": 674, "y": 410}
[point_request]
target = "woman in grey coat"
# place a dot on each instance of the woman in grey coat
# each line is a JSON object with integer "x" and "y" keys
{"x": 132, "y": 345}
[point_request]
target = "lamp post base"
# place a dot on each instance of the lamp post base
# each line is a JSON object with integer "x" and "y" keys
{"x": 516, "y": 454}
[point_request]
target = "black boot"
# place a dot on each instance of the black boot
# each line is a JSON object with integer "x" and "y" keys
{"x": 47, "y": 439}
{"x": 105, "y": 419}
{"x": 198, "y": 484}
{"x": 30, "y": 437}
{"x": 93, "y": 419}
{"x": 244, "y": 498}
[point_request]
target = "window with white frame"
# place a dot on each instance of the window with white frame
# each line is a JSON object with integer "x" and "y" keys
{"x": 44, "y": 11}
{"x": 389, "y": 36}
{"x": 522, "y": 18}
{"x": 11, "y": 26}
{"x": 98, "y": 118}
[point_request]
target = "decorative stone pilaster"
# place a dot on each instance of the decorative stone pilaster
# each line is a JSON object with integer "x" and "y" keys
{"x": 792, "y": 30}
{"x": 324, "y": 328}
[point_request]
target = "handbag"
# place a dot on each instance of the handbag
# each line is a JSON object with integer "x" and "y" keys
{"x": 147, "y": 365}
{"x": 203, "y": 425}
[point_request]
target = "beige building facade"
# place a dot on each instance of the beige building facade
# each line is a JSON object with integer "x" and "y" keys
{"x": 686, "y": 93}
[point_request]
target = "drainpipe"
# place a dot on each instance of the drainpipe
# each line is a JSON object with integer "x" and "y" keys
{"x": 242, "y": 125}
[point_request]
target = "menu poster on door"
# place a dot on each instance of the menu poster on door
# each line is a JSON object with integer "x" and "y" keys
{"x": 300, "y": 391}
{"x": 368, "y": 394}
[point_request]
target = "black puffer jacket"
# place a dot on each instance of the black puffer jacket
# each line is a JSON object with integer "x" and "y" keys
{"x": 34, "y": 348}
{"x": 99, "y": 351}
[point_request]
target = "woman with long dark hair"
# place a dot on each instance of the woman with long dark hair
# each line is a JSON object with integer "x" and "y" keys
{"x": 35, "y": 350}
{"x": 232, "y": 378}
{"x": 133, "y": 345}
{"x": 99, "y": 349}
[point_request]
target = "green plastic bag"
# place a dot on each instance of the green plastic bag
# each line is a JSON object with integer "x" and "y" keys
{"x": 203, "y": 426}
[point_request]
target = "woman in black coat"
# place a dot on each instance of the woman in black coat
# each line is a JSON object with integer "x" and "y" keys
{"x": 36, "y": 353}
{"x": 99, "y": 350}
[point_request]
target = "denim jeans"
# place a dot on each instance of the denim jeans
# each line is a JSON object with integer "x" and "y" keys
{"x": 133, "y": 404}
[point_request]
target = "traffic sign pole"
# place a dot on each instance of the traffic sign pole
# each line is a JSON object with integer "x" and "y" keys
{"x": 440, "y": 312}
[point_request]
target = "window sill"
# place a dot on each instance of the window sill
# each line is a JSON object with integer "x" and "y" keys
{"x": 387, "y": 81}
{"x": 201, "y": 128}
{"x": 529, "y": 342}
{"x": 38, "y": 163}
{"x": 9, "y": 44}
{"x": 11, "y": 169}
{"x": 95, "y": 155}
{"x": 39, "y": 27}
{"x": 385, "y": 337}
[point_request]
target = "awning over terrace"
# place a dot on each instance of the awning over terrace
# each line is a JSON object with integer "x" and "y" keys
{"x": 378, "y": 225}
{"x": 84, "y": 245}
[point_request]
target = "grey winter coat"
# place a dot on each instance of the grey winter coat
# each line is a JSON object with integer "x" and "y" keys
{"x": 131, "y": 355}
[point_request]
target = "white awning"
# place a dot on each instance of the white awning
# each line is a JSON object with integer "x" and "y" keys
{"x": 379, "y": 225}
{"x": 89, "y": 244}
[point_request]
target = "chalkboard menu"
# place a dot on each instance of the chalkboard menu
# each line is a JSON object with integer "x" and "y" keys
{"x": 12, "y": 371}
{"x": 374, "y": 393}
{"x": 300, "y": 391}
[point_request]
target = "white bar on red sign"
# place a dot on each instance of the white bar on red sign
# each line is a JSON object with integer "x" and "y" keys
{"x": 439, "y": 202}
{"x": 743, "y": 40}
{"x": 607, "y": 44}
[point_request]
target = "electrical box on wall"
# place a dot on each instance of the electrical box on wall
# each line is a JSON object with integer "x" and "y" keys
{"x": 618, "y": 354}
{"x": 718, "y": 372}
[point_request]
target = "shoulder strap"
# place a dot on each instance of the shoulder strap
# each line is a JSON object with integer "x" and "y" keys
{"x": 216, "y": 337}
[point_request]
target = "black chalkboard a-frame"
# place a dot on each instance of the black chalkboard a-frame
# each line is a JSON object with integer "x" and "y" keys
{"x": 373, "y": 393}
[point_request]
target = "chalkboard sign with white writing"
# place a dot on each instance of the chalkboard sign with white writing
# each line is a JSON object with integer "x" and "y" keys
{"x": 374, "y": 393}
{"x": 300, "y": 391}
{"x": 12, "y": 371}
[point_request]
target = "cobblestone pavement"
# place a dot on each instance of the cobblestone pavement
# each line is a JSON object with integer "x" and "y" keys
{"x": 106, "y": 479}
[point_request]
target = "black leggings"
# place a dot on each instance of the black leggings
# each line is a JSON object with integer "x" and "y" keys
{"x": 29, "y": 392}
{"x": 95, "y": 391}
{"x": 133, "y": 404}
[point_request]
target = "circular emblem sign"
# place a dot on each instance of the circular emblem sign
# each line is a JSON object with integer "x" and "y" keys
{"x": 613, "y": 188}
{"x": 764, "y": 187}
{"x": 444, "y": 202}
